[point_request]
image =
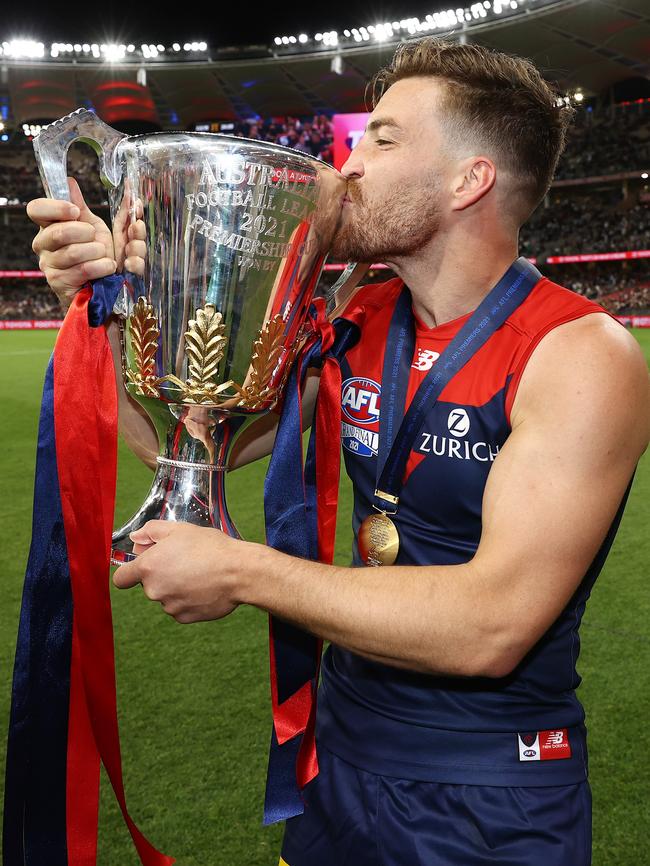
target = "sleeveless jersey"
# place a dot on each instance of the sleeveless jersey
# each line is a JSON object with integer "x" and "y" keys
{"x": 451, "y": 729}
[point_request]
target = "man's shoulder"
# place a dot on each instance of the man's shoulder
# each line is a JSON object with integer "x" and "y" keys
{"x": 588, "y": 364}
{"x": 548, "y": 305}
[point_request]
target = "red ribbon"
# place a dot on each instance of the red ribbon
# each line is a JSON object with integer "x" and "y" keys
{"x": 85, "y": 419}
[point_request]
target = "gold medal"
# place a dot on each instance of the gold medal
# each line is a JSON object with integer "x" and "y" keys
{"x": 378, "y": 540}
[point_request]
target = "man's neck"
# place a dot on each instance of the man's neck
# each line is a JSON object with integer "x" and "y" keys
{"x": 448, "y": 279}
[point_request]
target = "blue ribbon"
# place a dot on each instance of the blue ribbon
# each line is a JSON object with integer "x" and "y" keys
{"x": 291, "y": 526}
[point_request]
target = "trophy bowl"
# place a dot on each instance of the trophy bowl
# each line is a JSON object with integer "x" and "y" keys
{"x": 233, "y": 237}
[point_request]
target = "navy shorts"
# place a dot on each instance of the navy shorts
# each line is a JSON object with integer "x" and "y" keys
{"x": 356, "y": 818}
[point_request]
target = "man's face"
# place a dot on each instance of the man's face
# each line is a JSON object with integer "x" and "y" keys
{"x": 394, "y": 197}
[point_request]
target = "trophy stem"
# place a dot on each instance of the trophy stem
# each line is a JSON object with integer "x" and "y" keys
{"x": 189, "y": 490}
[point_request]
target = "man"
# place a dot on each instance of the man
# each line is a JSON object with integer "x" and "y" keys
{"x": 448, "y": 727}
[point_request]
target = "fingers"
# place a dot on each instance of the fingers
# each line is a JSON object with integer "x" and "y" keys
{"x": 127, "y": 575}
{"x": 75, "y": 254}
{"x": 76, "y": 197}
{"x": 44, "y": 211}
{"x": 60, "y": 234}
{"x": 153, "y": 531}
{"x": 137, "y": 231}
{"x": 67, "y": 282}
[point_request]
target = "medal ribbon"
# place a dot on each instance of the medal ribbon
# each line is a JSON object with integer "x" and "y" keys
{"x": 395, "y": 446}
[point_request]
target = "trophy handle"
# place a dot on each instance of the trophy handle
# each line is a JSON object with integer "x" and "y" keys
{"x": 344, "y": 288}
{"x": 51, "y": 149}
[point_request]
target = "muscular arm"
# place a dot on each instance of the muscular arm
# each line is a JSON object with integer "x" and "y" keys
{"x": 580, "y": 421}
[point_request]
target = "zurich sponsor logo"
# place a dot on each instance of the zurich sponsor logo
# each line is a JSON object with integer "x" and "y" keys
{"x": 360, "y": 400}
{"x": 458, "y": 422}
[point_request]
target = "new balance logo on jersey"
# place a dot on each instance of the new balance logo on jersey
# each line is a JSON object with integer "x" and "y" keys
{"x": 425, "y": 359}
{"x": 544, "y": 745}
{"x": 360, "y": 400}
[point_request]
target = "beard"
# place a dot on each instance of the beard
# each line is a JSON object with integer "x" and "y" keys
{"x": 401, "y": 223}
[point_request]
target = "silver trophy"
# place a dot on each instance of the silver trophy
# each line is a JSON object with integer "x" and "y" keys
{"x": 235, "y": 236}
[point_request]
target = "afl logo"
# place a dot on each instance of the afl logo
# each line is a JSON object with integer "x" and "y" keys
{"x": 530, "y": 753}
{"x": 458, "y": 422}
{"x": 360, "y": 400}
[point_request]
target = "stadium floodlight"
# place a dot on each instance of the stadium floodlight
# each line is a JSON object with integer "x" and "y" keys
{"x": 113, "y": 52}
{"x": 203, "y": 46}
{"x": 303, "y": 38}
{"x": 85, "y": 48}
{"x": 160, "y": 48}
{"x": 176, "y": 46}
{"x": 318, "y": 37}
{"x": 578, "y": 96}
{"x": 23, "y": 48}
{"x": 644, "y": 175}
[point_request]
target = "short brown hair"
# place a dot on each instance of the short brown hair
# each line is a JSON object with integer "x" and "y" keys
{"x": 502, "y": 99}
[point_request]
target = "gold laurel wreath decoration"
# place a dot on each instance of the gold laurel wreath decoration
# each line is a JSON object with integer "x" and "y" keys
{"x": 204, "y": 347}
{"x": 144, "y": 333}
{"x": 267, "y": 350}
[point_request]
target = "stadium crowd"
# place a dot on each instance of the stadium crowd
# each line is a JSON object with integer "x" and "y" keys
{"x": 585, "y": 218}
{"x": 620, "y": 288}
{"x": 589, "y": 223}
{"x": 602, "y": 143}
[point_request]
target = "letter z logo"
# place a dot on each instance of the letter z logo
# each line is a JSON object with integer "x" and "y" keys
{"x": 458, "y": 422}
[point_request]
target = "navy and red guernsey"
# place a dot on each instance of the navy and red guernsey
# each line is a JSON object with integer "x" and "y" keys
{"x": 525, "y": 729}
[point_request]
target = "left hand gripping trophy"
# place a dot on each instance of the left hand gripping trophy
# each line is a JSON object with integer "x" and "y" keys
{"x": 213, "y": 310}
{"x": 236, "y": 234}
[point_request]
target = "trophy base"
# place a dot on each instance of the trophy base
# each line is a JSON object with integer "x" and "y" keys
{"x": 181, "y": 491}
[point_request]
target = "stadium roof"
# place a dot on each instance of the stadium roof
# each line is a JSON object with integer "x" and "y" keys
{"x": 584, "y": 44}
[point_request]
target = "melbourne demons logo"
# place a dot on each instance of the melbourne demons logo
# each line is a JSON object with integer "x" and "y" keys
{"x": 360, "y": 400}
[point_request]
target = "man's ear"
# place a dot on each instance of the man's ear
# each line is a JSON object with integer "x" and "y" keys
{"x": 475, "y": 178}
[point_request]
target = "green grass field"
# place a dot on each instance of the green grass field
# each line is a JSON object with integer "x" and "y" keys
{"x": 194, "y": 700}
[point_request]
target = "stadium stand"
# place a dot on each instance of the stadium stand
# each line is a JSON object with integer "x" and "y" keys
{"x": 603, "y": 217}
{"x": 288, "y": 90}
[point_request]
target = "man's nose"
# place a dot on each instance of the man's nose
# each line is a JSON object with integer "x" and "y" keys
{"x": 353, "y": 166}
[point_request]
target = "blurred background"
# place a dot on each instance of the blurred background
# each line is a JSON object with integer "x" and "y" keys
{"x": 194, "y": 701}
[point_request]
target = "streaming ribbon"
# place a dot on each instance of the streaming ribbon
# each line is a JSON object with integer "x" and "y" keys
{"x": 300, "y": 510}
{"x": 64, "y": 712}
